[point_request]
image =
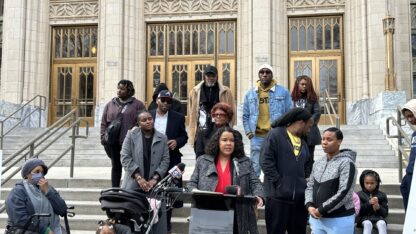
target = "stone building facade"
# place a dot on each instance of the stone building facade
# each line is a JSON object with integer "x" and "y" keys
{"x": 74, "y": 52}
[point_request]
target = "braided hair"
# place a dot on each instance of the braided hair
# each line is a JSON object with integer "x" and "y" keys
{"x": 372, "y": 173}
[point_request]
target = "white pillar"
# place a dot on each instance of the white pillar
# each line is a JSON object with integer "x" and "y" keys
{"x": 25, "y": 60}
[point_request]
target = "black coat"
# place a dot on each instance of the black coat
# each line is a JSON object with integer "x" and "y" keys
{"x": 366, "y": 209}
{"x": 314, "y": 136}
{"x": 284, "y": 173}
{"x": 175, "y": 130}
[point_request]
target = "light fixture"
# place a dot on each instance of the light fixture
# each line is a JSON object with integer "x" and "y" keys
{"x": 94, "y": 50}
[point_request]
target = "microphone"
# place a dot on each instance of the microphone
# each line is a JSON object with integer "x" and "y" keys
{"x": 233, "y": 190}
{"x": 174, "y": 173}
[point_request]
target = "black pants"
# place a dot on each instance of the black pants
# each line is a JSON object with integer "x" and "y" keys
{"x": 113, "y": 152}
{"x": 282, "y": 217}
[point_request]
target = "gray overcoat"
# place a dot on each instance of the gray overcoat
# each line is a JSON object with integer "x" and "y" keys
{"x": 132, "y": 156}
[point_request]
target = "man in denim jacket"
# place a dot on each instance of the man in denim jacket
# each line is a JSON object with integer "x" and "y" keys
{"x": 262, "y": 105}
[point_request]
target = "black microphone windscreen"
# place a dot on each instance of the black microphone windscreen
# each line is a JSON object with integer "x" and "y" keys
{"x": 232, "y": 189}
{"x": 181, "y": 166}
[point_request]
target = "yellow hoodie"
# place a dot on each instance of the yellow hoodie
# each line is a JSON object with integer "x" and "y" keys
{"x": 263, "y": 121}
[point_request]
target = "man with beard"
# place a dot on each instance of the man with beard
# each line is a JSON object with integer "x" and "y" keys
{"x": 172, "y": 124}
{"x": 201, "y": 100}
{"x": 286, "y": 164}
{"x": 263, "y": 104}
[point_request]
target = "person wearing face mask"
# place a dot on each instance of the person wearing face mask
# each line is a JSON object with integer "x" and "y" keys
{"x": 201, "y": 100}
{"x": 31, "y": 196}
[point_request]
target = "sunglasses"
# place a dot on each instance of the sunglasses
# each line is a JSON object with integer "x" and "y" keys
{"x": 265, "y": 71}
{"x": 166, "y": 100}
{"x": 216, "y": 115}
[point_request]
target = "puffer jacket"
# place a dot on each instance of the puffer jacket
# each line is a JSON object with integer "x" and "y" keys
{"x": 205, "y": 177}
{"x": 331, "y": 185}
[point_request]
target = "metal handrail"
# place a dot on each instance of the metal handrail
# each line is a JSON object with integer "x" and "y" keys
{"x": 28, "y": 150}
{"x": 403, "y": 156}
{"x": 329, "y": 109}
{"x": 40, "y": 108}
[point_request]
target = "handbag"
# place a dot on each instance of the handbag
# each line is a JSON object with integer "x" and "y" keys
{"x": 112, "y": 133}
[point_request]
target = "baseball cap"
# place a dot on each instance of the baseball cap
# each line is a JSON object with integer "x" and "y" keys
{"x": 211, "y": 69}
{"x": 165, "y": 94}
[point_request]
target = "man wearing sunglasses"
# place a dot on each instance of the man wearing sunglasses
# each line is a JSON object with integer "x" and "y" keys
{"x": 172, "y": 124}
{"x": 263, "y": 104}
{"x": 201, "y": 100}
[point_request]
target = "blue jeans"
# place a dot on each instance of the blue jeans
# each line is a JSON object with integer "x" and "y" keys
{"x": 340, "y": 225}
{"x": 255, "y": 147}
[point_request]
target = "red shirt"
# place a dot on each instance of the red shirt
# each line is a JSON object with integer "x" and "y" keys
{"x": 224, "y": 177}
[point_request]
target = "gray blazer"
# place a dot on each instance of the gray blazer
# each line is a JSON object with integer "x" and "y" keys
{"x": 205, "y": 177}
{"x": 132, "y": 156}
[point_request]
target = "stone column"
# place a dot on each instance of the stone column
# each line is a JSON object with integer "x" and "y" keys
{"x": 121, "y": 50}
{"x": 25, "y": 61}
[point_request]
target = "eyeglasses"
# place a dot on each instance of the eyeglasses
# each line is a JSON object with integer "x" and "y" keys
{"x": 166, "y": 100}
{"x": 265, "y": 71}
{"x": 216, "y": 115}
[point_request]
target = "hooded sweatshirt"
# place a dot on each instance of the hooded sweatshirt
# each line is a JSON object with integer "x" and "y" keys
{"x": 411, "y": 106}
{"x": 263, "y": 122}
{"x": 331, "y": 185}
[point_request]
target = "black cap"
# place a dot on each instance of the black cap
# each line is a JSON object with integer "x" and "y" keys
{"x": 165, "y": 94}
{"x": 211, "y": 69}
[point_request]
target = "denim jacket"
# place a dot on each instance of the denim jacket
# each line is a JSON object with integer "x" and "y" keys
{"x": 279, "y": 103}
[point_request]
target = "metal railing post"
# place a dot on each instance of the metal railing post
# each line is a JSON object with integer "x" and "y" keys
{"x": 399, "y": 145}
{"x": 1, "y": 136}
{"x": 71, "y": 172}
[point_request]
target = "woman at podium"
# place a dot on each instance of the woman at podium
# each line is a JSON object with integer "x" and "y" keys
{"x": 223, "y": 165}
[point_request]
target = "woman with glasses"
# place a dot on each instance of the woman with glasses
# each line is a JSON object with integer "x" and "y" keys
{"x": 222, "y": 114}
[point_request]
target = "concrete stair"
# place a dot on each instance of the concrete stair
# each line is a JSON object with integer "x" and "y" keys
{"x": 92, "y": 174}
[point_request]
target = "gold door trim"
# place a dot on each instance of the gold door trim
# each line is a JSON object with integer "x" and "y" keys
{"x": 73, "y": 86}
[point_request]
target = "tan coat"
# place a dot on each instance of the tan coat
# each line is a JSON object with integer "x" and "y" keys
{"x": 193, "y": 107}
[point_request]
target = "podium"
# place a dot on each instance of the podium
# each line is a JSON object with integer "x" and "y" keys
{"x": 214, "y": 212}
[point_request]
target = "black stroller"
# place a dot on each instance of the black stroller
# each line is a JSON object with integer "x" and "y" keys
{"x": 127, "y": 208}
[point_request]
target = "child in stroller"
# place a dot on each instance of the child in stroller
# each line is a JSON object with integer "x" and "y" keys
{"x": 127, "y": 212}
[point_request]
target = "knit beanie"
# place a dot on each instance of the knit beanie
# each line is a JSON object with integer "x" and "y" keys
{"x": 411, "y": 106}
{"x": 267, "y": 66}
{"x": 31, "y": 164}
{"x": 292, "y": 116}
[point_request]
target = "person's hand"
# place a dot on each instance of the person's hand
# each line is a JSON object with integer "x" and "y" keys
{"x": 144, "y": 185}
{"x": 51, "y": 232}
{"x": 259, "y": 202}
{"x": 43, "y": 185}
{"x": 172, "y": 144}
{"x": 314, "y": 212}
{"x": 152, "y": 183}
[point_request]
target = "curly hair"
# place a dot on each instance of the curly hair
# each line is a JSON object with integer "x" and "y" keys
{"x": 224, "y": 107}
{"x": 129, "y": 85}
{"x": 338, "y": 133}
{"x": 310, "y": 92}
{"x": 213, "y": 146}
